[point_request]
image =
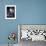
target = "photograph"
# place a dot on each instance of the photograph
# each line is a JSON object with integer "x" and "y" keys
{"x": 10, "y": 12}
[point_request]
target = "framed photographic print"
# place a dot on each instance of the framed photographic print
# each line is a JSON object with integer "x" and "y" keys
{"x": 10, "y": 12}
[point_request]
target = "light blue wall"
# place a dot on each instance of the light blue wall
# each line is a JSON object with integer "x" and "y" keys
{"x": 27, "y": 12}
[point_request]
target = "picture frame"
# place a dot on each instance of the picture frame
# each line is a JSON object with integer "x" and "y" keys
{"x": 10, "y": 11}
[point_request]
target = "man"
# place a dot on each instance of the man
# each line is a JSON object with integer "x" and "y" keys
{"x": 10, "y": 12}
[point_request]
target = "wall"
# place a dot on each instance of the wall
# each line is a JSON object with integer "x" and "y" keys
{"x": 28, "y": 12}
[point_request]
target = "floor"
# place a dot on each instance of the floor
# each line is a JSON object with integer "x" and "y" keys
{"x": 28, "y": 43}
{"x": 32, "y": 43}
{"x": 7, "y": 45}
